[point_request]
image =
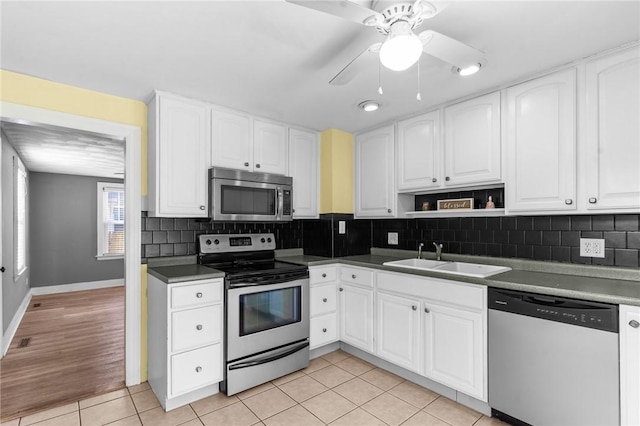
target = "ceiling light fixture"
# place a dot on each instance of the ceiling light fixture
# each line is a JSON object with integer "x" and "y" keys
{"x": 469, "y": 70}
{"x": 369, "y": 106}
{"x": 401, "y": 49}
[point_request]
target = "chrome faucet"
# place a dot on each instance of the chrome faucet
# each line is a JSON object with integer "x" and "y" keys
{"x": 438, "y": 250}
{"x": 420, "y": 250}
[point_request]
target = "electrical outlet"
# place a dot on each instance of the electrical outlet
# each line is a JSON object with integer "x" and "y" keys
{"x": 591, "y": 247}
{"x": 392, "y": 238}
{"x": 342, "y": 227}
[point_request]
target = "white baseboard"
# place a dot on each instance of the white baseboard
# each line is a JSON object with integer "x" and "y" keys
{"x": 64, "y": 288}
{"x": 15, "y": 322}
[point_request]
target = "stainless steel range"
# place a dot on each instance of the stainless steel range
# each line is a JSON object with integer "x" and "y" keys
{"x": 266, "y": 309}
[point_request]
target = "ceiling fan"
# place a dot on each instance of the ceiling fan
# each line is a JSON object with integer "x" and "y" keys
{"x": 402, "y": 47}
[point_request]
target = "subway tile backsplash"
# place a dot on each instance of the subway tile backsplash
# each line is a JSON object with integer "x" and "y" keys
{"x": 547, "y": 238}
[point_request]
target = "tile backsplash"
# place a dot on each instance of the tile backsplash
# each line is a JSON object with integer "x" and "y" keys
{"x": 547, "y": 238}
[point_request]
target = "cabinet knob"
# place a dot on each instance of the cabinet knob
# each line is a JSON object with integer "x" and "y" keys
{"x": 634, "y": 323}
{"x": 324, "y": 300}
{"x": 434, "y": 180}
{"x": 414, "y": 307}
{"x": 353, "y": 276}
{"x": 202, "y": 207}
{"x": 568, "y": 201}
{"x": 426, "y": 310}
{"x": 257, "y": 165}
{"x": 388, "y": 210}
{"x": 293, "y": 210}
{"x": 447, "y": 178}
{"x": 199, "y": 295}
{"x": 246, "y": 164}
{"x": 593, "y": 200}
{"x": 199, "y": 327}
{"x": 198, "y": 369}
{"x": 324, "y": 330}
{"x": 324, "y": 275}
{"x": 341, "y": 289}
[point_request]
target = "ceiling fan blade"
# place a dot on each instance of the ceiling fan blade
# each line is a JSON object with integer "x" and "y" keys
{"x": 450, "y": 50}
{"x": 355, "y": 67}
{"x": 341, "y": 8}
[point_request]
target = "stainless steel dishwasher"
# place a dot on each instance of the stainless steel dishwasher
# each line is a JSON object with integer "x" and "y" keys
{"x": 552, "y": 360}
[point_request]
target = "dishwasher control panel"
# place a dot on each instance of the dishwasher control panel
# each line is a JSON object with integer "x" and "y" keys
{"x": 601, "y": 316}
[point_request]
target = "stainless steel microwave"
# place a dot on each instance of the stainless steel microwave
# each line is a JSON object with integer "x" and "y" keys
{"x": 247, "y": 196}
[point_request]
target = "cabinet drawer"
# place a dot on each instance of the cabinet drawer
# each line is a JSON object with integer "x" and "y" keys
{"x": 196, "y": 294}
{"x": 195, "y": 369}
{"x": 356, "y": 276}
{"x": 323, "y": 274}
{"x": 322, "y": 299}
{"x": 323, "y": 330}
{"x": 196, "y": 327}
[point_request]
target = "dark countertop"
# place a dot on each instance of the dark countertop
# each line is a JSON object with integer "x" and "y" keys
{"x": 601, "y": 284}
{"x": 187, "y": 272}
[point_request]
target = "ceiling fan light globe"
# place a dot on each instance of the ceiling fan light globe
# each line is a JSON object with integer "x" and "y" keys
{"x": 400, "y": 52}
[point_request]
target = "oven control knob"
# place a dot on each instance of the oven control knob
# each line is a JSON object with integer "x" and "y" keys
{"x": 208, "y": 242}
{"x": 262, "y": 240}
{"x": 269, "y": 239}
{"x": 216, "y": 241}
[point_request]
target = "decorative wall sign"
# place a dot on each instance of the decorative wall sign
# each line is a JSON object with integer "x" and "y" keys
{"x": 458, "y": 204}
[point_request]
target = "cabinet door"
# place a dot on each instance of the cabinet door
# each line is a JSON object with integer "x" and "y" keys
{"x": 181, "y": 158}
{"x": 303, "y": 168}
{"x": 398, "y": 330}
{"x": 375, "y": 192}
{"x": 270, "y": 147}
{"x": 629, "y": 365}
{"x": 612, "y": 149}
{"x": 541, "y": 144}
{"x": 453, "y": 348}
{"x": 322, "y": 330}
{"x": 231, "y": 140}
{"x": 472, "y": 142}
{"x": 418, "y": 158}
{"x": 356, "y": 316}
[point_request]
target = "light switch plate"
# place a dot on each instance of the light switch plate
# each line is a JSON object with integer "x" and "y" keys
{"x": 392, "y": 238}
{"x": 591, "y": 247}
{"x": 342, "y": 227}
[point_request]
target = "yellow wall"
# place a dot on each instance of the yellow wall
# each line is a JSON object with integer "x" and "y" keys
{"x": 25, "y": 90}
{"x": 336, "y": 171}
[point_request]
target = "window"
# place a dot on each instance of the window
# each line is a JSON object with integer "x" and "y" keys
{"x": 110, "y": 220}
{"x": 20, "y": 217}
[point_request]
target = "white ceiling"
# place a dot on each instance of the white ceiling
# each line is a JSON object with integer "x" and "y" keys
{"x": 51, "y": 149}
{"x": 275, "y": 59}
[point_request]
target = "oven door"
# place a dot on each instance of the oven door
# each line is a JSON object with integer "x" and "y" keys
{"x": 264, "y": 317}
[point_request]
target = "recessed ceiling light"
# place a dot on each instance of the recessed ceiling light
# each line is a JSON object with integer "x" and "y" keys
{"x": 369, "y": 106}
{"x": 469, "y": 70}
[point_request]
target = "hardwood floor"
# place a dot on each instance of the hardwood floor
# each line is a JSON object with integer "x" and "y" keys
{"x": 75, "y": 350}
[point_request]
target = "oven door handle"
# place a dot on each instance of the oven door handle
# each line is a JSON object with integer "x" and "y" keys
{"x": 270, "y": 358}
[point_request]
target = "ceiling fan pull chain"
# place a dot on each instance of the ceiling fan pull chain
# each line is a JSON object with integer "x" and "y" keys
{"x": 418, "y": 96}
{"x": 379, "y": 78}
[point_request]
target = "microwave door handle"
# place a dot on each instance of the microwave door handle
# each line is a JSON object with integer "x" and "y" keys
{"x": 280, "y": 203}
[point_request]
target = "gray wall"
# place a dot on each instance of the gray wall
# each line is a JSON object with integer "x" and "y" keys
{"x": 13, "y": 292}
{"x": 63, "y": 236}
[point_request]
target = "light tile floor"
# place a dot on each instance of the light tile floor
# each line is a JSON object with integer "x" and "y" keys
{"x": 335, "y": 389}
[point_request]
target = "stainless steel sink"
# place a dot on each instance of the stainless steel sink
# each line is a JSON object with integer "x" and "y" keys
{"x": 454, "y": 268}
{"x": 471, "y": 269}
{"x": 413, "y": 263}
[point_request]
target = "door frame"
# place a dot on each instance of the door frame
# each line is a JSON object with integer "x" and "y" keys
{"x": 132, "y": 136}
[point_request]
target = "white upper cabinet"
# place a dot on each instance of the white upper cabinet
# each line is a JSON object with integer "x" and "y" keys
{"x": 231, "y": 140}
{"x": 418, "y": 149}
{"x": 472, "y": 153}
{"x": 178, "y": 152}
{"x": 611, "y": 154}
{"x": 541, "y": 144}
{"x": 241, "y": 142}
{"x": 270, "y": 147}
{"x": 303, "y": 168}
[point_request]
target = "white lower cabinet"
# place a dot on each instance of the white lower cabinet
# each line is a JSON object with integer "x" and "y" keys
{"x": 629, "y": 365}
{"x": 323, "y": 303}
{"x": 453, "y": 348}
{"x": 356, "y": 316}
{"x": 398, "y": 330}
{"x": 184, "y": 340}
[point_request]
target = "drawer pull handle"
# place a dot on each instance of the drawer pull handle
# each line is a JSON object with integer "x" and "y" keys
{"x": 341, "y": 289}
{"x": 324, "y": 330}
{"x": 324, "y": 275}
{"x": 568, "y": 201}
{"x": 634, "y": 323}
{"x": 199, "y": 295}
{"x": 593, "y": 200}
{"x": 388, "y": 210}
{"x": 434, "y": 180}
{"x": 202, "y": 207}
{"x": 414, "y": 307}
{"x": 246, "y": 164}
{"x": 199, "y": 327}
{"x": 258, "y": 166}
{"x": 426, "y": 310}
{"x": 324, "y": 300}
{"x": 353, "y": 276}
{"x": 198, "y": 369}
